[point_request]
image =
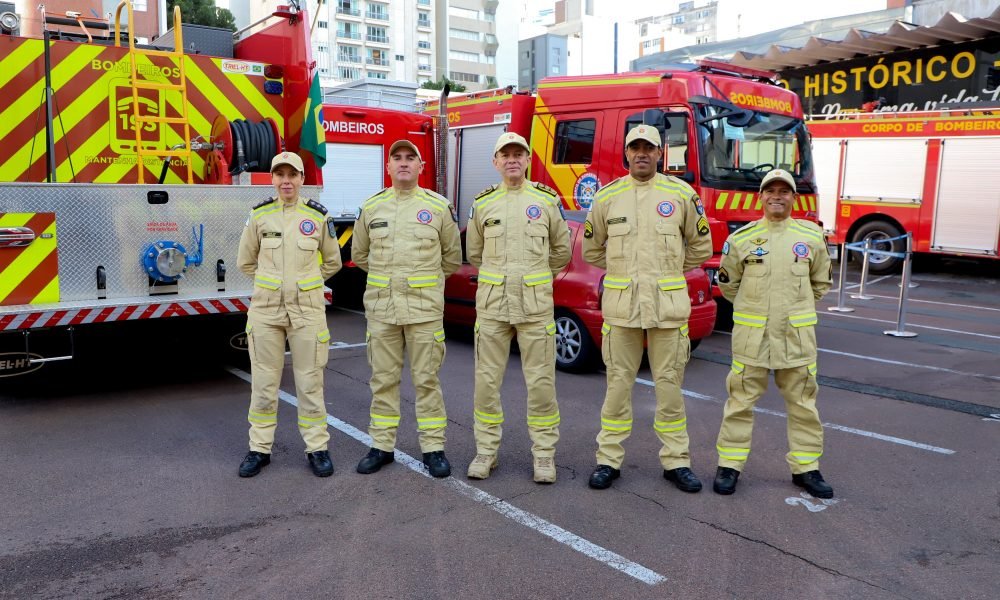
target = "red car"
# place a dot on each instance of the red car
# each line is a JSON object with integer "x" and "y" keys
{"x": 577, "y": 295}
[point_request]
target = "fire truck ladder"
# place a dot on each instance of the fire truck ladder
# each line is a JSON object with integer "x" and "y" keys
{"x": 139, "y": 119}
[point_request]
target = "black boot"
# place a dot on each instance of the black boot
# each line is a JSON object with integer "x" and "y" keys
{"x": 253, "y": 462}
{"x": 814, "y": 484}
{"x": 602, "y": 477}
{"x": 320, "y": 463}
{"x": 684, "y": 478}
{"x": 375, "y": 460}
{"x": 437, "y": 463}
{"x": 725, "y": 480}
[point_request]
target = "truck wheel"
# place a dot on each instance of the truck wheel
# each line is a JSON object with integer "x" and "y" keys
{"x": 878, "y": 232}
{"x": 575, "y": 350}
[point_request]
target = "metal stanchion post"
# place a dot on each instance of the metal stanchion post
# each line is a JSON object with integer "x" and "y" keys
{"x": 864, "y": 273}
{"x": 909, "y": 251}
{"x": 904, "y": 289}
{"x": 843, "y": 282}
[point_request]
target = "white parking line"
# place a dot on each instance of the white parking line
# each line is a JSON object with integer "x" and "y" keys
{"x": 862, "y": 432}
{"x": 985, "y": 335}
{"x": 532, "y": 521}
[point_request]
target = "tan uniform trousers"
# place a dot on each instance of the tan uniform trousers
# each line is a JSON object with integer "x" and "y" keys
{"x": 746, "y": 384}
{"x": 669, "y": 351}
{"x": 538, "y": 363}
{"x": 310, "y": 346}
{"x": 424, "y": 343}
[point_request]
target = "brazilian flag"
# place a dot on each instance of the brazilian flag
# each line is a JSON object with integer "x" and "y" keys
{"x": 313, "y": 134}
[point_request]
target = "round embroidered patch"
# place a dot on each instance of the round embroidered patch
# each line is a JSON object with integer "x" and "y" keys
{"x": 533, "y": 212}
{"x": 584, "y": 190}
{"x": 800, "y": 249}
{"x": 307, "y": 227}
{"x": 665, "y": 208}
{"x": 725, "y": 248}
{"x": 425, "y": 216}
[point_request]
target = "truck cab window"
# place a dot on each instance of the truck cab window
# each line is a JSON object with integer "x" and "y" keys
{"x": 674, "y": 133}
{"x": 574, "y": 143}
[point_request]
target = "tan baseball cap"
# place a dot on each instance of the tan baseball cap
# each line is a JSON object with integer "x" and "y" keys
{"x": 287, "y": 158}
{"x": 780, "y": 175}
{"x": 509, "y": 138}
{"x": 405, "y": 144}
{"x": 643, "y": 132}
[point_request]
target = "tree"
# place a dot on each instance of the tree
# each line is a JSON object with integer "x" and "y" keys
{"x": 439, "y": 85}
{"x": 201, "y": 12}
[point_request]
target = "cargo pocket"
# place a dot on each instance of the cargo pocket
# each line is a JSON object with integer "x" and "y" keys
{"x": 617, "y": 300}
{"x": 616, "y": 246}
{"x": 250, "y": 343}
{"x": 748, "y": 334}
{"x": 683, "y": 348}
{"x": 439, "y": 348}
{"x": 368, "y": 347}
{"x": 322, "y": 348}
{"x": 266, "y": 295}
{"x": 606, "y": 344}
{"x": 537, "y": 293}
{"x": 801, "y": 336}
{"x": 672, "y": 301}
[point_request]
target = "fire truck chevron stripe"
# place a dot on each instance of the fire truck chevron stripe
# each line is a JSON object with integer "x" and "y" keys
{"x": 130, "y": 312}
{"x": 30, "y": 274}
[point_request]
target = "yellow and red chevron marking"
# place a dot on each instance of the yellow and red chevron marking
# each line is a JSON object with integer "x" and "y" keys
{"x": 562, "y": 178}
{"x": 93, "y": 138}
{"x": 125, "y": 312}
{"x": 30, "y": 274}
{"x": 752, "y": 201}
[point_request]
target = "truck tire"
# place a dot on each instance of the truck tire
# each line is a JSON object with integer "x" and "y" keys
{"x": 575, "y": 350}
{"x": 879, "y": 231}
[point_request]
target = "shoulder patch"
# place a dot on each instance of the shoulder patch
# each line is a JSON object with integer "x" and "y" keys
{"x": 489, "y": 190}
{"x": 546, "y": 189}
{"x": 316, "y": 206}
{"x": 331, "y": 227}
{"x": 262, "y": 203}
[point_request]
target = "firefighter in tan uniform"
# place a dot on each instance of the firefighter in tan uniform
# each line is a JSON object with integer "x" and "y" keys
{"x": 773, "y": 271}
{"x": 646, "y": 229}
{"x": 290, "y": 248}
{"x": 407, "y": 239}
{"x": 518, "y": 239}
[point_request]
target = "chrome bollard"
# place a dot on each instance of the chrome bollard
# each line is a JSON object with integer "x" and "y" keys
{"x": 904, "y": 289}
{"x": 909, "y": 250}
{"x": 843, "y": 280}
{"x": 864, "y": 274}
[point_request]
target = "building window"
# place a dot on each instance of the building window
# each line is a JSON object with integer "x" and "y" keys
{"x": 574, "y": 143}
{"x": 377, "y": 11}
{"x": 348, "y": 54}
{"x": 423, "y": 2}
{"x": 347, "y": 7}
{"x": 686, "y": 6}
{"x": 423, "y": 19}
{"x": 377, "y": 58}
{"x": 678, "y": 19}
{"x": 349, "y": 31}
{"x": 466, "y": 56}
{"x": 469, "y": 77}
{"x": 424, "y": 45}
{"x": 377, "y": 75}
{"x": 423, "y": 67}
{"x": 321, "y": 24}
{"x": 464, "y": 34}
{"x": 377, "y": 34}
{"x": 400, "y": 57}
{"x": 348, "y": 73}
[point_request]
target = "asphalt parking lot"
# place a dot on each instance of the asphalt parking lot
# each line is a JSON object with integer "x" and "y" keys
{"x": 120, "y": 479}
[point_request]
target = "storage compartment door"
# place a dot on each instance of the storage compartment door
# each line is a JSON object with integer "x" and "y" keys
{"x": 967, "y": 214}
{"x": 885, "y": 170}
{"x": 352, "y": 173}
{"x": 476, "y": 166}
{"x": 826, "y": 161}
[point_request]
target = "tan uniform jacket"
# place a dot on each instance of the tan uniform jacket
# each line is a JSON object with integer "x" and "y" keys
{"x": 408, "y": 242}
{"x": 519, "y": 241}
{"x": 646, "y": 234}
{"x": 773, "y": 273}
{"x": 289, "y": 251}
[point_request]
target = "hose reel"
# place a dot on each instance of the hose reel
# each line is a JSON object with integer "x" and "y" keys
{"x": 245, "y": 145}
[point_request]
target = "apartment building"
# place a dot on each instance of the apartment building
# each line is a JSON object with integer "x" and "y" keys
{"x": 692, "y": 23}
{"x": 469, "y": 34}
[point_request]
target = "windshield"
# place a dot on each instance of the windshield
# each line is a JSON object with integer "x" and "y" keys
{"x": 742, "y": 155}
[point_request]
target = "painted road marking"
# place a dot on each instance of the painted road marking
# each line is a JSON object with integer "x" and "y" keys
{"x": 806, "y": 500}
{"x": 342, "y": 345}
{"x": 861, "y": 432}
{"x": 985, "y": 335}
{"x": 546, "y": 528}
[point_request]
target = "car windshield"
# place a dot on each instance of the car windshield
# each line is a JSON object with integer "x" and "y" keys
{"x": 731, "y": 154}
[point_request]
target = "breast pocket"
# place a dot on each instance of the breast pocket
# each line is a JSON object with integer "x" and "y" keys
{"x": 307, "y": 254}
{"x": 380, "y": 243}
{"x": 536, "y": 240}
{"x": 755, "y": 281}
{"x": 800, "y": 280}
{"x": 618, "y": 244}
{"x": 428, "y": 242}
{"x": 669, "y": 246}
{"x": 493, "y": 243}
{"x": 269, "y": 258}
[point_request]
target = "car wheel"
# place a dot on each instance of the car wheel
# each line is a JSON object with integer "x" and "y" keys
{"x": 575, "y": 350}
{"x": 878, "y": 232}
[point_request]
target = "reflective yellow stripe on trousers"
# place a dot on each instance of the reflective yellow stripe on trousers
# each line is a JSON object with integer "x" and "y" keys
{"x": 739, "y": 454}
{"x": 489, "y": 418}
{"x": 544, "y": 421}
{"x": 431, "y": 423}
{"x": 804, "y": 458}
{"x": 669, "y": 426}
{"x": 613, "y": 425}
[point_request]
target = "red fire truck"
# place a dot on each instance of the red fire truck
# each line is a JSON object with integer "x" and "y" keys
{"x": 723, "y": 126}
{"x": 127, "y": 175}
{"x": 932, "y": 173}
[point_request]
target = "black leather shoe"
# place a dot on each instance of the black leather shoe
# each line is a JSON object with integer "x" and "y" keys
{"x": 375, "y": 460}
{"x": 320, "y": 463}
{"x": 725, "y": 480}
{"x": 253, "y": 462}
{"x": 602, "y": 477}
{"x": 437, "y": 464}
{"x": 814, "y": 484}
{"x": 684, "y": 478}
